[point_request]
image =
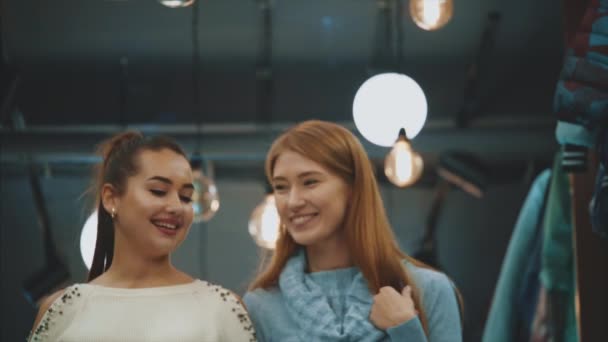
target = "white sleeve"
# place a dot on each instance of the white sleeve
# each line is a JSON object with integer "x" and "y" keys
{"x": 58, "y": 316}
{"x": 236, "y": 326}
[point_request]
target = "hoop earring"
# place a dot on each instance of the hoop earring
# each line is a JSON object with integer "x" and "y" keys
{"x": 113, "y": 213}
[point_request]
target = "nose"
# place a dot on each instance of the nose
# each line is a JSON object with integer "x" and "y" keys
{"x": 295, "y": 200}
{"x": 174, "y": 204}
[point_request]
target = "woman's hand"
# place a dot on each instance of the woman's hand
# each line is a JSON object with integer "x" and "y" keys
{"x": 392, "y": 308}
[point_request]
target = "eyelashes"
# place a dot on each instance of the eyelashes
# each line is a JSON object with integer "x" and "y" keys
{"x": 162, "y": 193}
{"x": 310, "y": 182}
{"x": 186, "y": 199}
{"x": 307, "y": 183}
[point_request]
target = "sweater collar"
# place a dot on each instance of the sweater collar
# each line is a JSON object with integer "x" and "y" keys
{"x": 309, "y": 307}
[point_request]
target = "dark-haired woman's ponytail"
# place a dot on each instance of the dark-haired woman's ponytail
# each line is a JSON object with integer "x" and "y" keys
{"x": 113, "y": 151}
{"x": 104, "y": 246}
{"x": 109, "y": 147}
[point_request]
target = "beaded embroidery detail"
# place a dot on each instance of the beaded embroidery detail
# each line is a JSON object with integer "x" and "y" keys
{"x": 55, "y": 310}
{"x": 237, "y": 308}
{"x": 42, "y": 331}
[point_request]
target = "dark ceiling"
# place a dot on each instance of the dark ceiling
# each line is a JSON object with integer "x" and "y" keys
{"x": 117, "y": 61}
{"x": 100, "y": 65}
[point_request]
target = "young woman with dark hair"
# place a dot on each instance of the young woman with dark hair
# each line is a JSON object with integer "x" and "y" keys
{"x": 134, "y": 293}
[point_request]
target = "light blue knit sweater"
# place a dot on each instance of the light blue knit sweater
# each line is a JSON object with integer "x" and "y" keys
{"x": 335, "y": 305}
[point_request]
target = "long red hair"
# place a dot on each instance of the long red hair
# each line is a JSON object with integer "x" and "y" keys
{"x": 370, "y": 239}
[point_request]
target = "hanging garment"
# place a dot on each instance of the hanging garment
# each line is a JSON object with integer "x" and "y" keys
{"x": 540, "y": 325}
{"x": 581, "y": 99}
{"x": 504, "y": 319}
{"x": 557, "y": 273}
{"x": 530, "y": 286}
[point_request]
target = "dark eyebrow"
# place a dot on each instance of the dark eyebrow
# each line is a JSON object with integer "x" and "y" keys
{"x": 168, "y": 181}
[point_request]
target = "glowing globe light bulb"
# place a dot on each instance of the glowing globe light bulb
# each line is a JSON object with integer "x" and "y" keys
{"x": 176, "y": 3}
{"x": 264, "y": 223}
{"x": 403, "y": 166}
{"x": 431, "y": 14}
{"x": 385, "y": 103}
{"x": 205, "y": 199}
{"x": 88, "y": 238}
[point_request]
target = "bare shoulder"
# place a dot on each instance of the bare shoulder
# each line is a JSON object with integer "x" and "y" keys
{"x": 57, "y": 312}
{"x": 45, "y": 305}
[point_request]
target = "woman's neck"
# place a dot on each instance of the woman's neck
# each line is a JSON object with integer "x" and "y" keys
{"x": 133, "y": 270}
{"x": 329, "y": 255}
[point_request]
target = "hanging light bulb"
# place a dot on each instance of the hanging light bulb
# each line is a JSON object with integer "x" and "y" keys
{"x": 176, "y": 3}
{"x": 403, "y": 166}
{"x": 88, "y": 238}
{"x": 206, "y": 200}
{"x": 264, "y": 223}
{"x": 431, "y": 14}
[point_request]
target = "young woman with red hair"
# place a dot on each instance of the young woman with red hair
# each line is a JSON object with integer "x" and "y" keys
{"x": 337, "y": 273}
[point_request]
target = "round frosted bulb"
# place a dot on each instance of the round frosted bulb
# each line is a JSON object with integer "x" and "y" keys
{"x": 88, "y": 238}
{"x": 403, "y": 166}
{"x": 431, "y": 14}
{"x": 176, "y": 3}
{"x": 385, "y": 103}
